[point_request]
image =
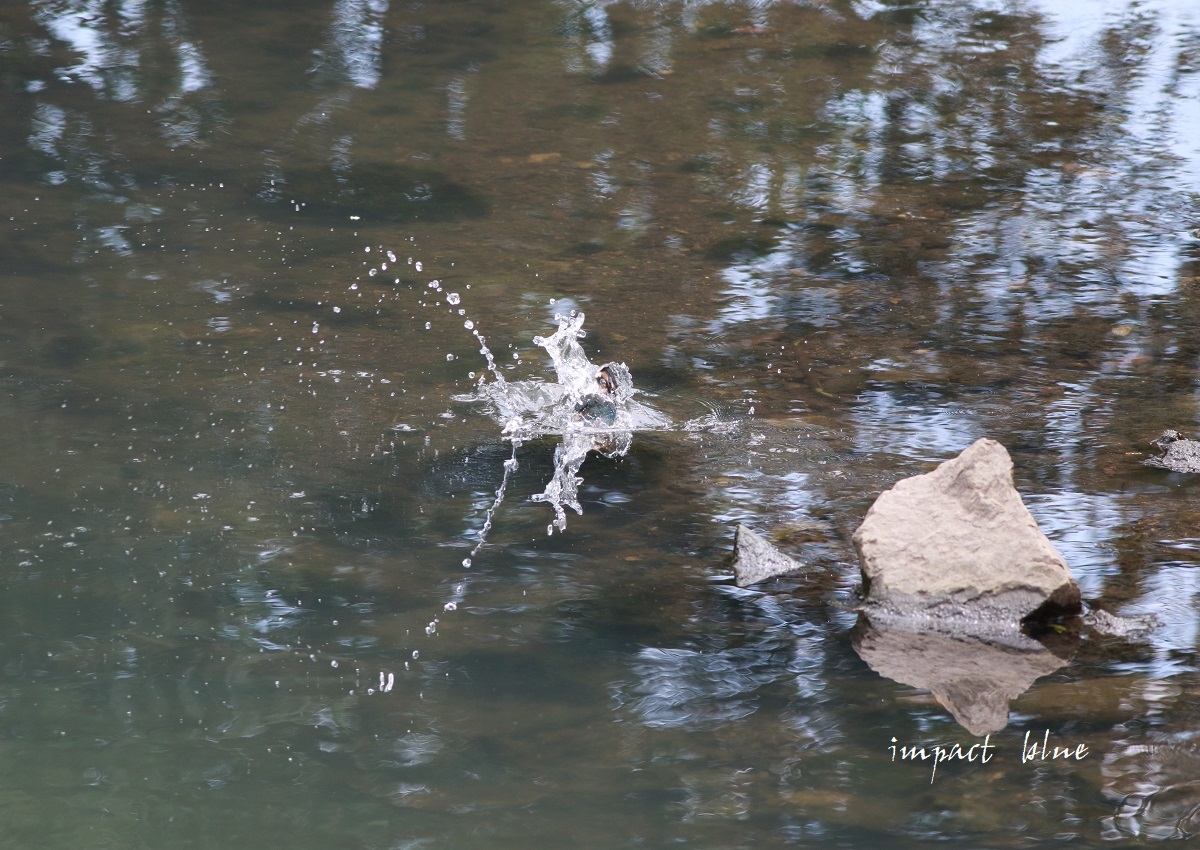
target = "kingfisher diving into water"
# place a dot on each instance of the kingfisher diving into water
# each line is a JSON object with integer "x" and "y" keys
{"x": 599, "y": 407}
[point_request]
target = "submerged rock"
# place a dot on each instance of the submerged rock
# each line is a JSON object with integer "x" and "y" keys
{"x": 1176, "y": 453}
{"x": 958, "y": 543}
{"x": 755, "y": 559}
{"x": 1112, "y": 625}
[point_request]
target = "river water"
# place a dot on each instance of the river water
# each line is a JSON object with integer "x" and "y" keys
{"x": 248, "y": 596}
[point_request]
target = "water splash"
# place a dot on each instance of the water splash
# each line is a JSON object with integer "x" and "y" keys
{"x": 589, "y": 414}
{"x": 562, "y": 491}
{"x": 454, "y": 299}
{"x": 534, "y": 408}
{"x": 588, "y": 408}
{"x": 510, "y": 467}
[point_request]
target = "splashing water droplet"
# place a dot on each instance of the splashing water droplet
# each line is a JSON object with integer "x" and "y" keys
{"x": 450, "y": 357}
{"x": 468, "y": 324}
{"x": 466, "y": 562}
{"x": 452, "y": 297}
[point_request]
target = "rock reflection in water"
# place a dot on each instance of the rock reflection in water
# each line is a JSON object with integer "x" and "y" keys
{"x": 973, "y": 678}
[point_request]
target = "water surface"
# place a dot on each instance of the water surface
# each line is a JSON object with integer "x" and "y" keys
{"x": 238, "y": 489}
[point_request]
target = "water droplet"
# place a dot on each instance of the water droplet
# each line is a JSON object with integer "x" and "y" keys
{"x": 466, "y": 562}
{"x": 468, "y": 324}
{"x": 391, "y": 256}
{"x": 452, "y": 297}
{"x": 450, "y": 357}
{"x": 450, "y": 606}
{"x": 428, "y": 325}
{"x": 417, "y": 265}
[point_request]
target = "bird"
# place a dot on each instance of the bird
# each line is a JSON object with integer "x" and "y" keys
{"x": 599, "y": 408}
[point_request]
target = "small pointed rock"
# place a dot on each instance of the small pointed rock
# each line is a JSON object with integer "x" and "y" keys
{"x": 755, "y": 559}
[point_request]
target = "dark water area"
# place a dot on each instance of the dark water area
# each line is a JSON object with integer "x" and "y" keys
{"x": 237, "y": 489}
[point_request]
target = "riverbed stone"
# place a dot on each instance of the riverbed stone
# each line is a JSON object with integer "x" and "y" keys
{"x": 755, "y": 559}
{"x": 1176, "y": 453}
{"x": 959, "y": 543}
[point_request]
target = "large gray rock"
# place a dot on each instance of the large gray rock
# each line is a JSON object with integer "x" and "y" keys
{"x": 959, "y": 543}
